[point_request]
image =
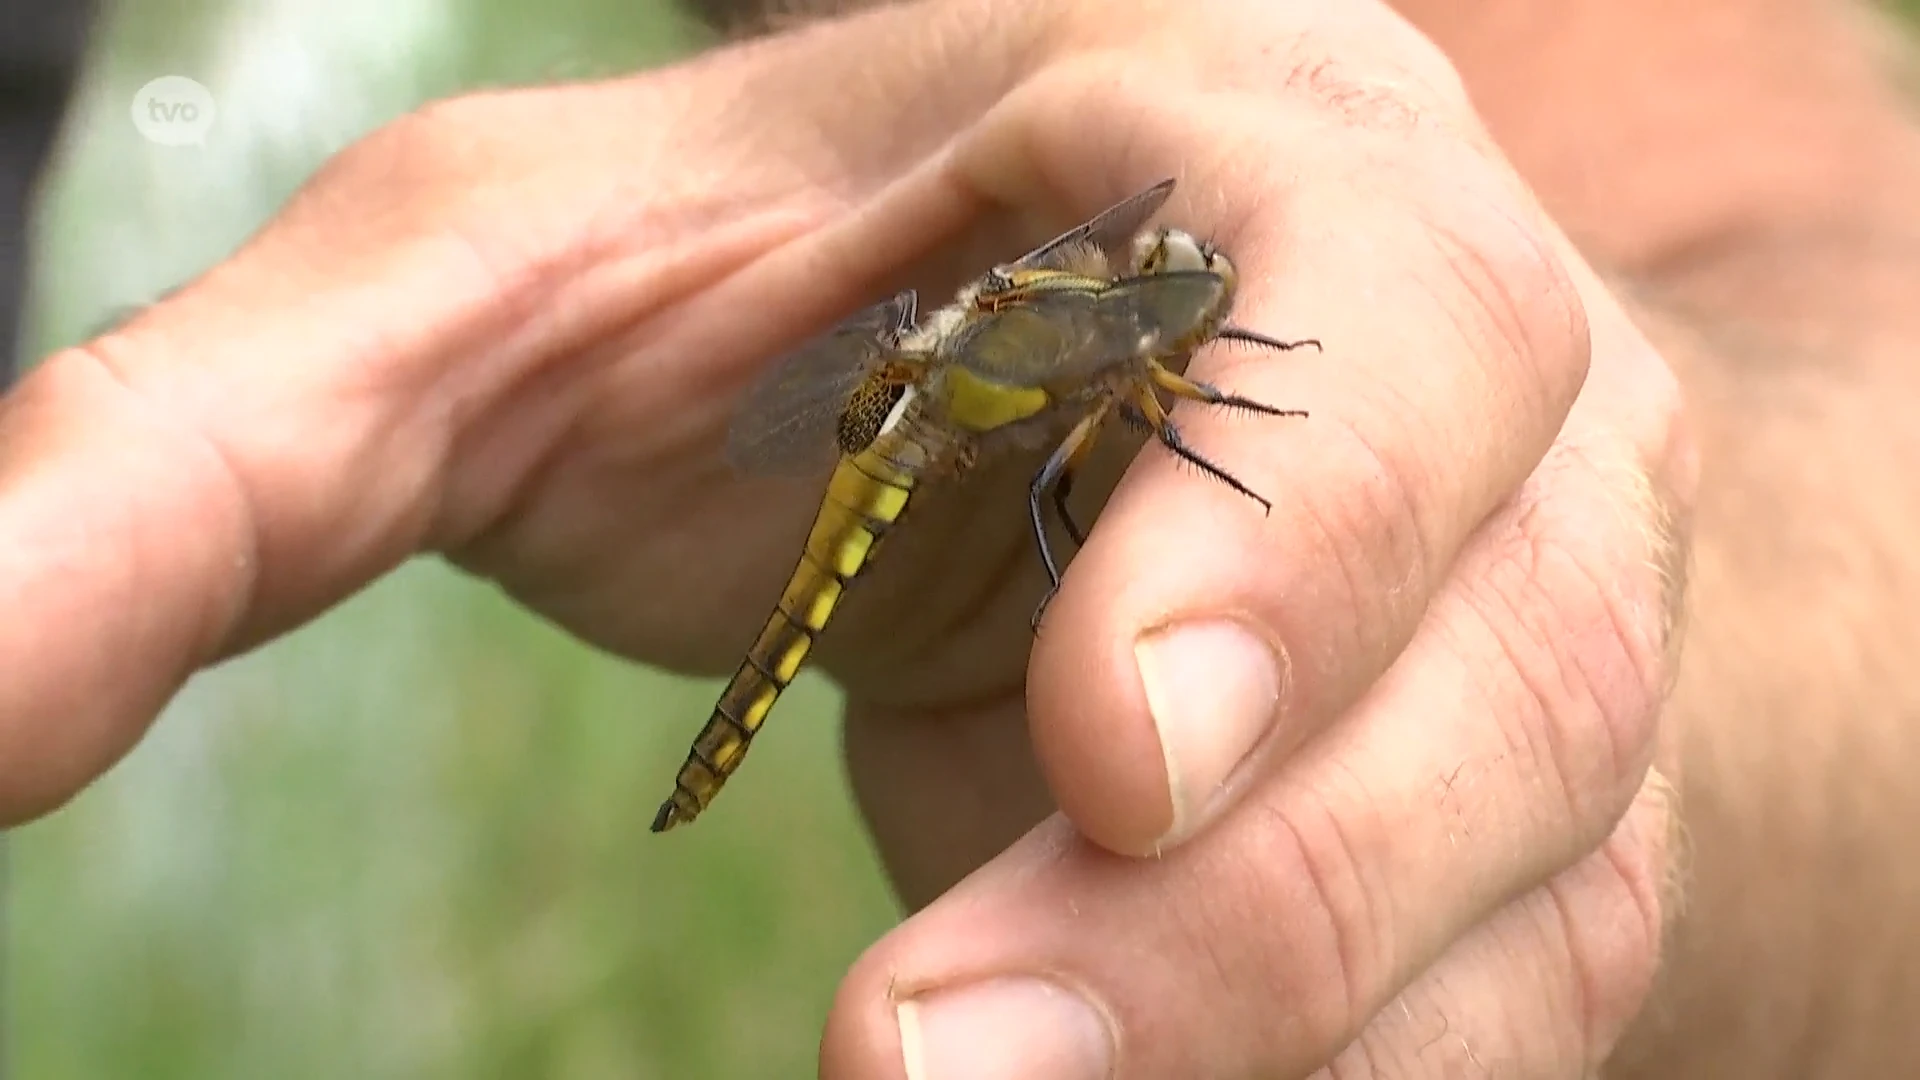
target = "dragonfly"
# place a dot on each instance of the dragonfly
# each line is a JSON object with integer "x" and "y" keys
{"x": 1095, "y": 324}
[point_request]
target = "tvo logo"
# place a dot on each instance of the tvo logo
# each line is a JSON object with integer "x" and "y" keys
{"x": 174, "y": 110}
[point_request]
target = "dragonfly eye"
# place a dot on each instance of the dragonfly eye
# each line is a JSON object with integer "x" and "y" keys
{"x": 1223, "y": 266}
{"x": 1181, "y": 251}
{"x": 1149, "y": 252}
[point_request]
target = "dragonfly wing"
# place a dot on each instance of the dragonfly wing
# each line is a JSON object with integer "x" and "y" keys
{"x": 1022, "y": 344}
{"x": 1153, "y": 314}
{"x": 1060, "y": 336}
{"x": 1109, "y": 233}
{"x": 786, "y": 422}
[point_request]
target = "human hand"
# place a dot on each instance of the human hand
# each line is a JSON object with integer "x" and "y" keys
{"x": 508, "y": 329}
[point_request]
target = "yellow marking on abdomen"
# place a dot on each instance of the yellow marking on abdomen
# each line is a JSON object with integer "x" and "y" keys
{"x": 864, "y": 497}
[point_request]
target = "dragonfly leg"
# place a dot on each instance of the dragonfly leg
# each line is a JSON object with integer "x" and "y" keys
{"x": 1182, "y": 387}
{"x": 1254, "y": 337}
{"x": 1155, "y": 415}
{"x": 1056, "y": 474}
{"x": 1060, "y": 492}
{"x": 1064, "y": 487}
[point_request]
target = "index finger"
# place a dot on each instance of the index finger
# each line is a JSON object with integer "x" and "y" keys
{"x": 348, "y": 389}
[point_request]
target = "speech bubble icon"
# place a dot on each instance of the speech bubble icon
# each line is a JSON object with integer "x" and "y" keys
{"x": 174, "y": 110}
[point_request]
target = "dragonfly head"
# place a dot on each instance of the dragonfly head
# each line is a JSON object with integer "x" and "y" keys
{"x": 1164, "y": 250}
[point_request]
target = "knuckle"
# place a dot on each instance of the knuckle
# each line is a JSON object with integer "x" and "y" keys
{"x": 224, "y": 492}
{"x": 1579, "y": 612}
{"x": 1361, "y": 64}
{"x": 1374, "y": 72}
{"x": 447, "y": 133}
{"x": 468, "y": 165}
{"x": 423, "y": 150}
{"x": 1613, "y": 911}
{"x": 1336, "y": 946}
{"x": 183, "y": 470}
{"x": 1506, "y": 291}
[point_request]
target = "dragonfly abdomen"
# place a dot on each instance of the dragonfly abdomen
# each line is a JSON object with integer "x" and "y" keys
{"x": 866, "y": 495}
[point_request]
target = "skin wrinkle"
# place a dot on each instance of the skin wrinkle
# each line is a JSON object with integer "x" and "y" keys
{"x": 1372, "y": 923}
{"x": 1391, "y": 502}
{"x": 1585, "y": 975}
{"x": 1345, "y": 951}
{"x": 1352, "y": 571}
{"x": 1355, "y": 1060}
{"x": 1006, "y": 159}
{"x": 1534, "y": 551}
{"x": 1384, "y": 497}
{"x": 1519, "y": 332}
{"x": 1497, "y": 296}
{"x": 1359, "y": 102}
{"x": 220, "y": 637}
{"x": 1425, "y": 93}
{"x": 1642, "y": 628}
{"x": 1645, "y": 861}
{"x": 509, "y": 454}
{"x": 1632, "y": 856}
{"x": 1333, "y": 544}
{"x": 1528, "y": 732}
{"x": 1362, "y": 1059}
{"x": 507, "y": 294}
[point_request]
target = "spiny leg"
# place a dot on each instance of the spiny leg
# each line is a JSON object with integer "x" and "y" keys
{"x": 1155, "y": 415}
{"x": 1182, "y": 387}
{"x": 1255, "y": 337}
{"x": 1057, "y": 470}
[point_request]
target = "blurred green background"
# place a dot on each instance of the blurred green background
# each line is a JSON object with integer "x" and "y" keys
{"x": 410, "y": 840}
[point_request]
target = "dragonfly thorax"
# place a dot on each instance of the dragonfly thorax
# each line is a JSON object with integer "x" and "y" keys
{"x": 938, "y": 327}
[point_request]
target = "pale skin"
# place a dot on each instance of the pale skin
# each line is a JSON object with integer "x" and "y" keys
{"x": 1418, "y": 819}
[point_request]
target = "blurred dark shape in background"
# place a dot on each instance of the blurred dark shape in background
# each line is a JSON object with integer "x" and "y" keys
{"x": 41, "y": 42}
{"x": 742, "y": 18}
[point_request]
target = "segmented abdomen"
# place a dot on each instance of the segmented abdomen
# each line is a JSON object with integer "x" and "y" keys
{"x": 866, "y": 495}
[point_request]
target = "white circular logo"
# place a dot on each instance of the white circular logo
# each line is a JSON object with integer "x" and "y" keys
{"x": 174, "y": 110}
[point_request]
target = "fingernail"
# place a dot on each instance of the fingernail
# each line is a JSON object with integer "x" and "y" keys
{"x": 1213, "y": 688}
{"x": 1004, "y": 1029}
